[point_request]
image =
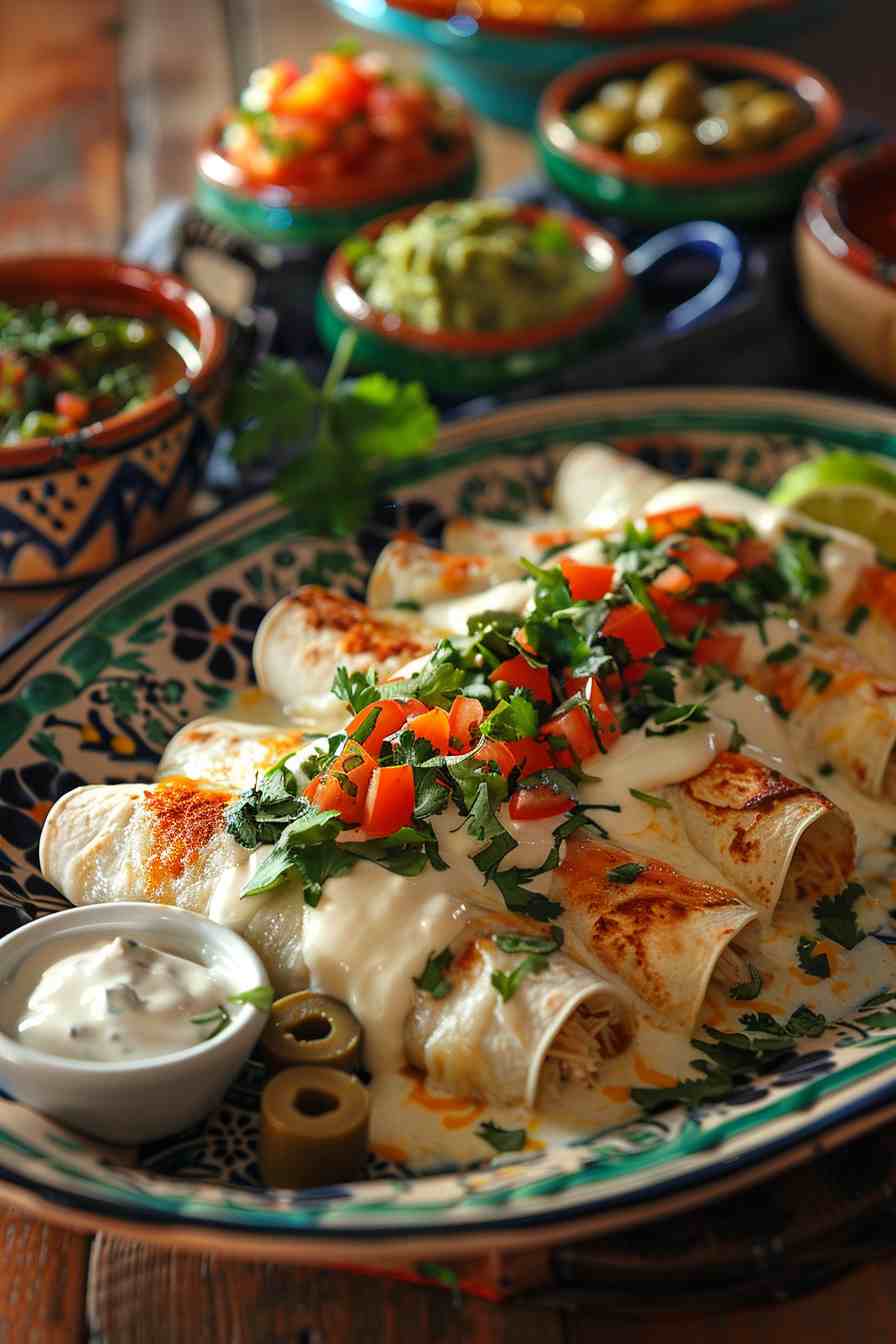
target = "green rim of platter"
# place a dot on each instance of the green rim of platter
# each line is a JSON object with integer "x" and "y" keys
{"x": 267, "y": 222}
{"x": 110, "y": 662}
{"x": 663, "y": 203}
{"x": 457, "y": 376}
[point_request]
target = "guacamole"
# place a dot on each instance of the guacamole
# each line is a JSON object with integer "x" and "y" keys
{"x": 473, "y": 266}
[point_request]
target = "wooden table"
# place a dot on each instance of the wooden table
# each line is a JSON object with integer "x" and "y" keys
{"x": 100, "y": 105}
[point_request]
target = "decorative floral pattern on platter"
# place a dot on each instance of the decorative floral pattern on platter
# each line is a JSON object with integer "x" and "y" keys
{"x": 97, "y": 693}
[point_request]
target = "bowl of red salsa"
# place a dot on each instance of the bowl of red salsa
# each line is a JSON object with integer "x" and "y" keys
{"x": 846, "y": 257}
{"x": 308, "y": 156}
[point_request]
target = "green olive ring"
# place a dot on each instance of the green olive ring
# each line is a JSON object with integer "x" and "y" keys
{"x": 314, "y": 1127}
{"x": 308, "y": 1028}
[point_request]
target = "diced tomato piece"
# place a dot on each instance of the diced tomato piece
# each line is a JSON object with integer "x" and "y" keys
{"x": 500, "y": 753}
{"x": 539, "y": 803}
{"x": 464, "y": 718}
{"x": 634, "y": 625}
{"x": 720, "y": 648}
{"x": 434, "y": 726}
{"x": 575, "y": 728}
{"x": 531, "y": 754}
{"x": 73, "y": 407}
{"x": 684, "y": 617}
{"x": 607, "y": 723}
{"x": 753, "y": 552}
{"x": 517, "y": 672}
{"x": 344, "y": 787}
{"x": 389, "y": 803}
{"x": 310, "y": 789}
{"x": 703, "y": 562}
{"x": 280, "y": 74}
{"x": 587, "y": 583}
{"x": 673, "y": 520}
{"x": 674, "y": 581}
{"x": 520, "y": 637}
{"x": 390, "y": 717}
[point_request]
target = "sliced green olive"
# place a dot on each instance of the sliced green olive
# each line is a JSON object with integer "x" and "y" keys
{"x": 671, "y": 91}
{"x": 663, "y": 141}
{"x": 773, "y": 117}
{"x": 725, "y": 135}
{"x": 314, "y": 1126}
{"x": 309, "y": 1028}
{"x": 601, "y": 124}
{"x": 720, "y": 99}
{"x": 622, "y": 93}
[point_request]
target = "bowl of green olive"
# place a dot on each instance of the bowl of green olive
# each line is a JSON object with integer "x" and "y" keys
{"x": 666, "y": 134}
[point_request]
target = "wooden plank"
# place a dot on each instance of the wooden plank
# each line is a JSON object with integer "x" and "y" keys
{"x": 263, "y": 29}
{"x": 42, "y": 1283}
{"x": 176, "y": 77}
{"x": 60, "y": 128}
{"x": 138, "y": 1295}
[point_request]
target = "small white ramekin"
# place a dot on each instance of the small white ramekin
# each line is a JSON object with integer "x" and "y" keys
{"x": 145, "y": 1099}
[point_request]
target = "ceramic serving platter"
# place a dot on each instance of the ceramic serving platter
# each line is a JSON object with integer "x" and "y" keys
{"x": 93, "y": 694}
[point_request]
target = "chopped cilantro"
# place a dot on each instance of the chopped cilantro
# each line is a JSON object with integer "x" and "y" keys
{"x": 785, "y": 653}
{"x": 819, "y": 679}
{"x": 511, "y": 720}
{"x": 857, "y": 618}
{"x": 530, "y": 942}
{"x": 778, "y": 707}
{"x": 836, "y": 916}
{"x": 433, "y": 979}
{"x": 737, "y": 739}
{"x": 650, "y": 798}
{"x": 508, "y": 982}
{"x": 825, "y": 769}
{"x": 748, "y": 989}
{"x": 626, "y": 873}
{"x": 819, "y": 965}
{"x": 502, "y": 1140}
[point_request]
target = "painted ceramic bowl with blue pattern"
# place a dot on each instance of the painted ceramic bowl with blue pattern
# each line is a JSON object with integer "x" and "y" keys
{"x": 754, "y": 186}
{"x": 74, "y": 506}
{"x": 460, "y": 364}
{"x": 314, "y": 217}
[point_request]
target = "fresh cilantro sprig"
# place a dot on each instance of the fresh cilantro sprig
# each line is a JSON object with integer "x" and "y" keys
{"x": 341, "y": 437}
{"x": 502, "y": 1140}
{"x": 508, "y": 982}
{"x": 836, "y": 916}
{"x": 433, "y": 979}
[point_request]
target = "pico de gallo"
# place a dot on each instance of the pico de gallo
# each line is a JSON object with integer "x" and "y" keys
{"x": 61, "y": 370}
{"x": 512, "y": 719}
{"x": 349, "y": 111}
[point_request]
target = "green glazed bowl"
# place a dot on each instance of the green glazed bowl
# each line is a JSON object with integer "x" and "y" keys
{"x": 300, "y": 217}
{"x": 754, "y": 187}
{"x": 459, "y": 364}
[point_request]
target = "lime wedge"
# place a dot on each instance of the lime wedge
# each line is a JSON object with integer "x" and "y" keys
{"x": 856, "y": 491}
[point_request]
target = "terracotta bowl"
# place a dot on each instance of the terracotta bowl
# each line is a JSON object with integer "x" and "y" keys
{"x": 74, "y": 506}
{"x": 295, "y": 216}
{"x": 757, "y": 186}
{"x": 458, "y": 364}
{"x": 845, "y": 244}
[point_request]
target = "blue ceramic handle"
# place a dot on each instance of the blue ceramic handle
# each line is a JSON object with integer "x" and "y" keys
{"x": 701, "y": 237}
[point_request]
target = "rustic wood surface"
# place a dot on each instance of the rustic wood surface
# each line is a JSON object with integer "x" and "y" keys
{"x": 100, "y": 104}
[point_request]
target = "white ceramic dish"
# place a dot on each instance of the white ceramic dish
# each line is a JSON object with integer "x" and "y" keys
{"x": 137, "y": 1100}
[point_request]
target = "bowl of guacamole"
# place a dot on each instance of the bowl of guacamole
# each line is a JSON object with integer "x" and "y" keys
{"x": 470, "y": 296}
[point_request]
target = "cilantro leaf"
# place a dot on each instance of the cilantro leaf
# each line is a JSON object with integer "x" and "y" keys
{"x": 261, "y": 812}
{"x": 508, "y": 982}
{"x": 433, "y": 979}
{"x": 511, "y": 720}
{"x": 836, "y": 916}
{"x": 273, "y": 405}
{"x": 382, "y": 418}
{"x": 797, "y": 562}
{"x": 785, "y": 653}
{"x": 502, "y": 1140}
{"x": 626, "y": 873}
{"x": 737, "y": 739}
{"x": 749, "y": 989}
{"x": 530, "y": 942}
{"x": 356, "y": 689}
{"x": 511, "y": 882}
{"x": 650, "y": 798}
{"x": 857, "y": 618}
{"x": 819, "y": 965}
{"x": 819, "y": 679}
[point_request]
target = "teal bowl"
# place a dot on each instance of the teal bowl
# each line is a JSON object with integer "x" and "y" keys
{"x": 294, "y": 217}
{"x": 503, "y": 75}
{"x": 755, "y": 187}
{"x": 457, "y": 365}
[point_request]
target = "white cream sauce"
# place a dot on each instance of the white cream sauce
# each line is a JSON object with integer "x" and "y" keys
{"x": 110, "y": 1000}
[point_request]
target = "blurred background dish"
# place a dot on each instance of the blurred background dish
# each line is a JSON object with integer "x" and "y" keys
{"x": 643, "y": 134}
{"x": 846, "y": 258}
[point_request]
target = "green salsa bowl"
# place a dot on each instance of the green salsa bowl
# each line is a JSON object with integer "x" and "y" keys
{"x": 302, "y": 218}
{"x": 460, "y": 364}
{"x": 752, "y": 187}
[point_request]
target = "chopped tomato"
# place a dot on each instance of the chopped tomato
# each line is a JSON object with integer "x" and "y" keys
{"x": 575, "y": 729}
{"x": 752, "y": 552}
{"x": 520, "y": 637}
{"x": 673, "y": 520}
{"x": 310, "y": 789}
{"x": 587, "y": 583}
{"x": 538, "y": 803}
{"x": 606, "y": 721}
{"x": 390, "y": 717}
{"x": 684, "y": 617}
{"x": 634, "y": 625}
{"x": 720, "y": 648}
{"x": 500, "y": 753}
{"x": 434, "y": 726}
{"x": 531, "y": 754}
{"x": 464, "y": 718}
{"x": 517, "y": 672}
{"x": 73, "y": 407}
{"x": 389, "y": 803}
{"x": 703, "y": 562}
{"x": 344, "y": 787}
{"x": 674, "y": 581}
